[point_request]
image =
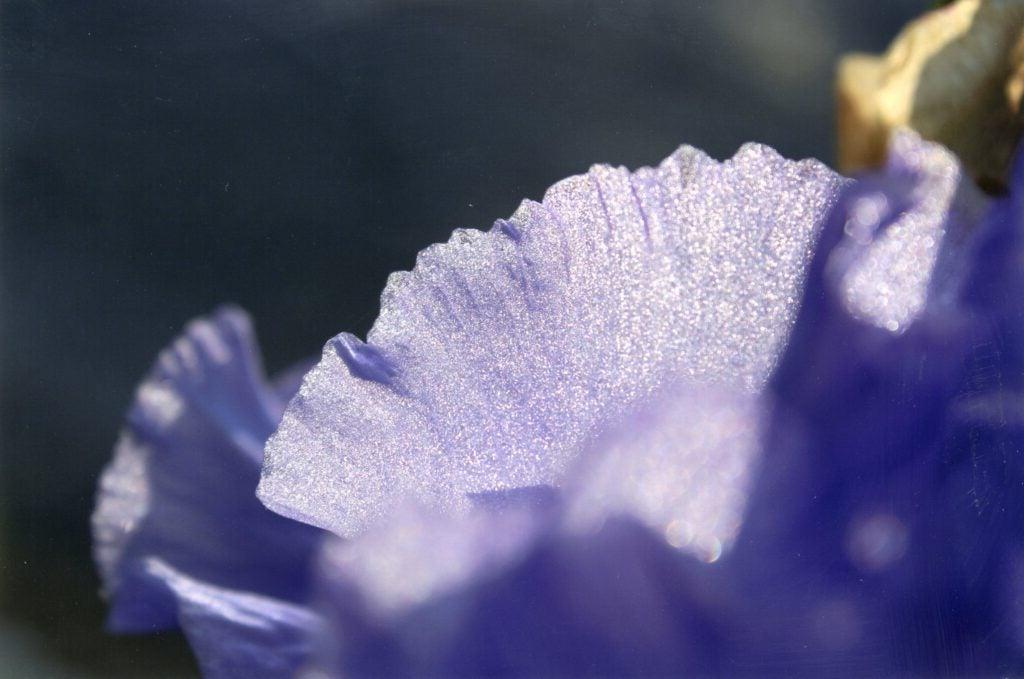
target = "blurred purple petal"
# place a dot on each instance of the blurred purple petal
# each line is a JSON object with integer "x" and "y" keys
{"x": 238, "y": 634}
{"x": 624, "y": 572}
{"x": 681, "y": 463}
{"x": 507, "y": 592}
{"x": 867, "y": 475}
{"x": 986, "y": 438}
{"x": 182, "y": 483}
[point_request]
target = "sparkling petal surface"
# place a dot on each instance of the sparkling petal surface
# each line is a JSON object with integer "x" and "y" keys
{"x": 181, "y": 486}
{"x": 857, "y": 370}
{"x": 852, "y": 505}
{"x": 887, "y": 264}
{"x": 495, "y": 357}
{"x": 880, "y": 534}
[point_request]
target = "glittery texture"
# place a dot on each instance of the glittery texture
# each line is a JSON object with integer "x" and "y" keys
{"x": 896, "y": 358}
{"x": 493, "y": 359}
{"x": 661, "y": 466}
{"x": 182, "y": 482}
{"x": 880, "y": 535}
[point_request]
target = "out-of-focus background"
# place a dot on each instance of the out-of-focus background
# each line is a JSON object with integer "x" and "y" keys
{"x": 160, "y": 158}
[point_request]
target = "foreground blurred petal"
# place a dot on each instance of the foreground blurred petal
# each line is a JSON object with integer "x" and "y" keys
{"x": 493, "y": 359}
{"x": 508, "y": 593}
{"x": 681, "y": 464}
{"x": 599, "y": 578}
{"x": 884, "y": 300}
{"x": 862, "y": 491}
{"x": 987, "y": 430}
{"x": 238, "y": 635}
{"x": 182, "y": 483}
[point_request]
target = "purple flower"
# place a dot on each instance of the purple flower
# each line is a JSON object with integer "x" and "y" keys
{"x": 742, "y": 418}
{"x": 500, "y": 352}
{"x": 177, "y": 524}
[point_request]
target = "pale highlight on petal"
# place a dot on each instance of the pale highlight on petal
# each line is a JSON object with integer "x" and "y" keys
{"x": 181, "y": 486}
{"x": 875, "y": 477}
{"x": 889, "y": 264}
{"x": 682, "y": 464}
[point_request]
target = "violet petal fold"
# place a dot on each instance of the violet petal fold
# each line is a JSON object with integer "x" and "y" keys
{"x": 239, "y": 635}
{"x": 617, "y": 602}
{"x": 986, "y": 437}
{"x": 681, "y": 463}
{"x": 181, "y": 487}
{"x": 494, "y": 358}
{"x": 864, "y": 389}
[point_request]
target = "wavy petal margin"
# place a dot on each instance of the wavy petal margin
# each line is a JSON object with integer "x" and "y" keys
{"x": 181, "y": 486}
{"x": 495, "y": 357}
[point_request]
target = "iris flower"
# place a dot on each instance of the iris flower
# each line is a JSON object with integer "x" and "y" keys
{"x": 742, "y": 418}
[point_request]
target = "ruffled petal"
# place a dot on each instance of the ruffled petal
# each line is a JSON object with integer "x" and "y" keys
{"x": 238, "y": 635}
{"x": 878, "y": 479}
{"x": 182, "y": 483}
{"x": 494, "y": 358}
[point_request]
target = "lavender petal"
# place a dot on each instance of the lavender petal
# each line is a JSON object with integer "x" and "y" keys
{"x": 182, "y": 483}
{"x": 496, "y": 356}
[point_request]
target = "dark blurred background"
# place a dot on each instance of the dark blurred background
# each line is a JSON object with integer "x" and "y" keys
{"x": 160, "y": 158}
